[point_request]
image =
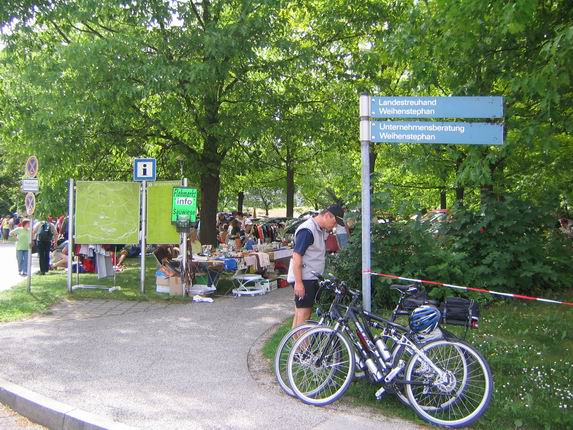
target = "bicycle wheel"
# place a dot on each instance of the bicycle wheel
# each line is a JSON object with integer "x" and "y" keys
{"x": 283, "y": 351}
{"x": 400, "y": 390}
{"x": 320, "y": 366}
{"x": 459, "y": 394}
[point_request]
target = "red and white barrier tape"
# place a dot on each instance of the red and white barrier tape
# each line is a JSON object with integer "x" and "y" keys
{"x": 478, "y": 290}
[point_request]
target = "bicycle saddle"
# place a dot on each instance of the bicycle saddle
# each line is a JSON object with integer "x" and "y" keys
{"x": 407, "y": 289}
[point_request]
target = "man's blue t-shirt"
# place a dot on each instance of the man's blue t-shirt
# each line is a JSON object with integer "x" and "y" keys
{"x": 303, "y": 240}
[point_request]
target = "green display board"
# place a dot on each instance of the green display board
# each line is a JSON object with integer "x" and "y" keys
{"x": 159, "y": 227}
{"x": 107, "y": 212}
{"x": 184, "y": 203}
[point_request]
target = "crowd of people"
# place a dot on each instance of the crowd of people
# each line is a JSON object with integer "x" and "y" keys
{"x": 49, "y": 237}
{"x": 49, "y": 240}
{"x": 235, "y": 231}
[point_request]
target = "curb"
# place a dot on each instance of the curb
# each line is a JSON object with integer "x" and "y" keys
{"x": 50, "y": 413}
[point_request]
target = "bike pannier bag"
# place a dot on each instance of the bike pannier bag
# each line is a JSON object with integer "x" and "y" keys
{"x": 412, "y": 302}
{"x": 460, "y": 311}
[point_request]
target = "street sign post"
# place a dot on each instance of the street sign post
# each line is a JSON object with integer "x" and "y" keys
{"x": 436, "y": 107}
{"x": 428, "y": 132}
{"x": 464, "y": 133}
{"x": 184, "y": 203}
{"x": 30, "y": 185}
{"x": 144, "y": 169}
{"x": 32, "y": 167}
{"x": 30, "y": 203}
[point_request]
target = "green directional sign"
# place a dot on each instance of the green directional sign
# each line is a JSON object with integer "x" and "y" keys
{"x": 184, "y": 203}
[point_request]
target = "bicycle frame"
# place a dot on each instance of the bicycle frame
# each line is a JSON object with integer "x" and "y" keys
{"x": 381, "y": 368}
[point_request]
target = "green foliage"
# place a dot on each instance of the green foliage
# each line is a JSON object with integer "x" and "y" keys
{"x": 512, "y": 246}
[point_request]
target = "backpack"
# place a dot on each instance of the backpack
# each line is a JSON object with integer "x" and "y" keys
{"x": 45, "y": 233}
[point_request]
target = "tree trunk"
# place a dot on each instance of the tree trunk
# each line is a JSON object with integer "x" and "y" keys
{"x": 443, "y": 201}
{"x": 240, "y": 201}
{"x": 210, "y": 187}
{"x": 486, "y": 191}
{"x": 289, "y": 190}
{"x": 460, "y": 195}
{"x": 459, "y": 189}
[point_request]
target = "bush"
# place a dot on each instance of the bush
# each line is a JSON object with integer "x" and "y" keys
{"x": 510, "y": 246}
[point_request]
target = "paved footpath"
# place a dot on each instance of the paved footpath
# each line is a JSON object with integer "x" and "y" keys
{"x": 9, "y": 266}
{"x": 9, "y": 420}
{"x": 167, "y": 366}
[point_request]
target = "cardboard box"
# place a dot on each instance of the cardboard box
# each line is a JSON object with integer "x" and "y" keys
{"x": 175, "y": 286}
{"x": 164, "y": 289}
{"x": 160, "y": 280}
{"x": 161, "y": 284}
{"x": 268, "y": 284}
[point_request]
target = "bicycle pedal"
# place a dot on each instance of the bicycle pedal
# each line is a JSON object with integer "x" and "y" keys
{"x": 359, "y": 374}
{"x": 380, "y": 393}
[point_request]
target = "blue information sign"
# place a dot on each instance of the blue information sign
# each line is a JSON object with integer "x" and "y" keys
{"x": 436, "y": 107}
{"x": 465, "y": 133}
{"x": 144, "y": 169}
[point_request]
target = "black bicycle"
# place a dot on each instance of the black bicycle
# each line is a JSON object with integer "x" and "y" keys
{"x": 408, "y": 299}
{"x": 446, "y": 381}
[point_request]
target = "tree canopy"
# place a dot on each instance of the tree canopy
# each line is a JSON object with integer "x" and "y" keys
{"x": 249, "y": 95}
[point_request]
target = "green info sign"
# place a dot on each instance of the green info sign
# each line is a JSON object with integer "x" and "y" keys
{"x": 184, "y": 203}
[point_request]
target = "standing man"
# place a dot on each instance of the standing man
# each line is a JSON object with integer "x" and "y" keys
{"x": 22, "y": 235}
{"x": 5, "y": 228}
{"x": 44, "y": 233}
{"x": 310, "y": 256}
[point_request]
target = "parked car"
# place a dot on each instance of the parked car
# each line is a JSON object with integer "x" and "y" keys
{"x": 434, "y": 220}
{"x": 287, "y": 232}
{"x": 308, "y": 214}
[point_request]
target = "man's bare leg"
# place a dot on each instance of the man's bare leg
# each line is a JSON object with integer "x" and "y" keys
{"x": 301, "y": 315}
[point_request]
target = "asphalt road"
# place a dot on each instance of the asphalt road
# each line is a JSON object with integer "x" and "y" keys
{"x": 9, "y": 420}
{"x": 9, "y": 266}
{"x": 168, "y": 366}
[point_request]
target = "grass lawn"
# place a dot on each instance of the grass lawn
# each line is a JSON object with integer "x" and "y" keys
{"x": 529, "y": 348}
{"x": 16, "y": 303}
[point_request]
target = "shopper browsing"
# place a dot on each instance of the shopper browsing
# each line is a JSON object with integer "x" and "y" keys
{"x": 309, "y": 255}
{"x": 22, "y": 235}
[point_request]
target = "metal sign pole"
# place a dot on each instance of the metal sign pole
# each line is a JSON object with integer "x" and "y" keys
{"x": 143, "y": 232}
{"x": 29, "y": 259}
{"x": 365, "y": 156}
{"x": 71, "y": 220}
{"x": 30, "y": 185}
{"x": 184, "y": 253}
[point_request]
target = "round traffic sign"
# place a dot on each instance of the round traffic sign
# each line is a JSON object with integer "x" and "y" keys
{"x": 32, "y": 167}
{"x": 30, "y": 202}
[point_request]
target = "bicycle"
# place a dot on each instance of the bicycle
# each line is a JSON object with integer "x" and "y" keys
{"x": 446, "y": 381}
{"x": 288, "y": 340}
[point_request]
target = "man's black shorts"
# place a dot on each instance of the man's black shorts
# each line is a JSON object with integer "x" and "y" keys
{"x": 310, "y": 290}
